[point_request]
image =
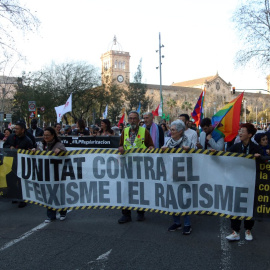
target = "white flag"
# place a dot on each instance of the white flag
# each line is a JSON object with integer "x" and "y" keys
{"x": 68, "y": 105}
{"x": 62, "y": 109}
{"x": 59, "y": 114}
{"x": 105, "y": 112}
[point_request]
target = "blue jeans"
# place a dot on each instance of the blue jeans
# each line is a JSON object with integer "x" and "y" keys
{"x": 176, "y": 220}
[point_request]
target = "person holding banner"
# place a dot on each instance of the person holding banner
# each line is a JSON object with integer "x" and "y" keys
{"x": 190, "y": 133}
{"x": 106, "y": 129}
{"x": 19, "y": 140}
{"x": 262, "y": 141}
{"x": 81, "y": 129}
{"x": 247, "y": 147}
{"x": 51, "y": 142}
{"x": 134, "y": 136}
{"x": 179, "y": 140}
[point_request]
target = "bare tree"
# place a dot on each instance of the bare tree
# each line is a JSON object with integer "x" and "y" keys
{"x": 252, "y": 20}
{"x": 53, "y": 85}
{"x": 14, "y": 16}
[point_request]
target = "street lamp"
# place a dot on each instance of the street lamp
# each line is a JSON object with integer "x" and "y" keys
{"x": 159, "y": 67}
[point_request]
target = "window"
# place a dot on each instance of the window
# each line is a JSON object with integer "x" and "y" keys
{"x": 217, "y": 85}
{"x": 124, "y": 65}
{"x": 120, "y": 64}
{"x": 115, "y": 64}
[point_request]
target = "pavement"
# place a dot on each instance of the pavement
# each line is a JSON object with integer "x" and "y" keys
{"x": 93, "y": 240}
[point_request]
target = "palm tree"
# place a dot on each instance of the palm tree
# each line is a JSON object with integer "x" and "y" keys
{"x": 186, "y": 106}
{"x": 171, "y": 104}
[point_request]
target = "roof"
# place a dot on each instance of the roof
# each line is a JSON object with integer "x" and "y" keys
{"x": 168, "y": 87}
{"x": 8, "y": 80}
{"x": 196, "y": 81}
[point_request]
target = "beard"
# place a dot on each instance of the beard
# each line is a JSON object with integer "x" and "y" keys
{"x": 133, "y": 126}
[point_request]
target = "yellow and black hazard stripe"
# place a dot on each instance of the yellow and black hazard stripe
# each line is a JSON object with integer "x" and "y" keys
{"x": 203, "y": 212}
{"x": 137, "y": 150}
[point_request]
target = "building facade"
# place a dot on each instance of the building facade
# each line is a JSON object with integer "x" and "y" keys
{"x": 7, "y": 92}
{"x": 181, "y": 97}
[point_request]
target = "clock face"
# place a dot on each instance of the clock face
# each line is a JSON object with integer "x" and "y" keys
{"x": 120, "y": 78}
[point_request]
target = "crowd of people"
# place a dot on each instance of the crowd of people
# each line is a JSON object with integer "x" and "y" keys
{"x": 145, "y": 133}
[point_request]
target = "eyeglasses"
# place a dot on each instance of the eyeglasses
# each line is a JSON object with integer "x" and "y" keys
{"x": 132, "y": 118}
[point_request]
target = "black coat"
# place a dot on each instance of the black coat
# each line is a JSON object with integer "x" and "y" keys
{"x": 39, "y": 132}
{"x": 23, "y": 142}
{"x": 239, "y": 148}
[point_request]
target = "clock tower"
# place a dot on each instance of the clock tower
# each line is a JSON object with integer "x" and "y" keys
{"x": 115, "y": 65}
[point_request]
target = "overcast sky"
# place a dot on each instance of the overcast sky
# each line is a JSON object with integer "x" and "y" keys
{"x": 198, "y": 37}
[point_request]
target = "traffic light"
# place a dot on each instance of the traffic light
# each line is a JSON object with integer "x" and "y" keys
{"x": 233, "y": 90}
{"x": 38, "y": 112}
{"x": 5, "y": 117}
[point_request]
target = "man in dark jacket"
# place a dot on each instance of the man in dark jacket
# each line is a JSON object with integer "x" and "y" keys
{"x": 35, "y": 130}
{"x": 19, "y": 141}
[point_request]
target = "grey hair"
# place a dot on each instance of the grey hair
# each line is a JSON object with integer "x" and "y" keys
{"x": 179, "y": 125}
{"x": 134, "y": 112}
{"x": 148, "y": 113}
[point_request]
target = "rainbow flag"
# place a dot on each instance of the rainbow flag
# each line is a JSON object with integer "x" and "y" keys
{"x": 226, "y": 121}
{"x": 197, "y": 113}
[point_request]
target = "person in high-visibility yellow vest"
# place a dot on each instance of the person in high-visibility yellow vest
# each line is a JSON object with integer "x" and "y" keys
{"x": 134, "y": 136}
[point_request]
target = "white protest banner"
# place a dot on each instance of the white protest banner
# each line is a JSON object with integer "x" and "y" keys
{"x": 170, "y": 182}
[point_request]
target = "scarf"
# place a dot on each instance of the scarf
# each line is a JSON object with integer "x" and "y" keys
{"x": 154, "y": 132}
{"x": 49, "y": 146}
{"x": 171, "y": 143}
